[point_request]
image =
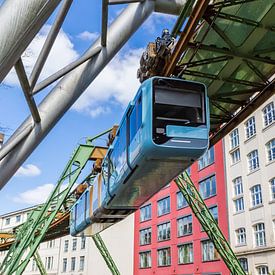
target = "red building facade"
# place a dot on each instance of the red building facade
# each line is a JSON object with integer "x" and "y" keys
{"x": 169, "y": 238}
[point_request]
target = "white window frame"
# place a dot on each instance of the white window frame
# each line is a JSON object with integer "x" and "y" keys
{"x": 145, "y": 260}
{"x": 262, "y": 270}
{"x": 234, "y": 138}
{"x": 241, "y": 236}
{"x": 250, "y": 127}
{"x": 185, "y": 253}
{"x": 259, "y": 233}
{"x": 272, "y": 188}
{"x": 238, "y": 186}
{"x": 270, "y": 148}
{"x": 239, "y": 205}
{"x": 253, "y": 160}
{"x": 268, "y": 114}
{"x": 256, "y": 195}
{"x": 235, "y": 156}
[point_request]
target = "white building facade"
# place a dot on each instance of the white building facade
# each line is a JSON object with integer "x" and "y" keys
{"x": 250, "y": 173}
{"x": 78, "y": 256}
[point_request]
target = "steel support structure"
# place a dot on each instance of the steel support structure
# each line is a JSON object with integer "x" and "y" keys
{"x": 39, "y": 263}
{"x": 31, "y": 233}
{"x": 74, "y": 83}
{"x": 105, "y": 254}
{"x": 210, "y": 226}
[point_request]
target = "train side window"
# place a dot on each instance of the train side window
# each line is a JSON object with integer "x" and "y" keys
{"x": 135, "y": 118}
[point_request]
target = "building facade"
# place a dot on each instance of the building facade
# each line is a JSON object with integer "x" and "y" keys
{"x": 250, "y": 169}
{"x": 78, "y": 255}
{"x": 169, "y": 238}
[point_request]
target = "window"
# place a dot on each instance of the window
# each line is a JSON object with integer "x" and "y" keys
{"x": 234, "y": 138}
{"x": 64, "y": 266}
{"x": 253, "y": 160}
{"x": 50, "y": 244}
{"x": 272, "y": 185}
{"x": 181, "y": 201}
{"x": 185, "y": 253}
{"x": 81, "y": 263}
{"x": 269, "y": 114}
{"x": 256, "y": 195}
{"x": 83, "y": 242}
{"x": 74, "y": 244}
{"x": 66, "y": 245}
{"x": 145, "y": 259}
{"x": 135, "y": 119}
{"x": 73, "y": 264}
{"x": 164, "y": 231}
{"x": 164, "y": 206}
{"x": 145, "y": 213}
{"x": 145, "y": 236}
{"x": 207, "y": 158}
{"x": 244, "y": 264}
{"x": 235, "y": 156}
{"x": 270, "y": 147}
{"x": 18, "y": 218}
{"x": 250, "y": 127}
{"x": 262, "y": 270}
{"x": 8, "y": 221}
{"x": 239, "y": 205}
{"x": 209, "y": 253}
{"x": 34, "y": 265}
{"x": 164, "y": 256}
{"x": 214, "y": 211}
{"x": 185, "y": 226}
{"x": 49, "y": 263}
{"x": 208, "y": 187}
{"x": 241, "y": 236}
{"x": 238, "y": 186}
{"x": 259, "y": 230}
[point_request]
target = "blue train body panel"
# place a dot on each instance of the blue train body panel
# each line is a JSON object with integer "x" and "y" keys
{"x": 163, "y": 131}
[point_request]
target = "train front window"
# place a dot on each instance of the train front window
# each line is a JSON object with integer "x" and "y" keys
{"x": 180, "y": 103}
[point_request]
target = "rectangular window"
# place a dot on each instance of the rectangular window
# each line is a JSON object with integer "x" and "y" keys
{"x": 250, "y": 127}
{"x": 270, "y": 147}
{"x": 239, "y": 205}
{"x": 145, "y": 259}
{"x": 262, "y": 270}
{"x": 244, "y": 264}
{"x": 145, "y": 236}
{"x": 49, "y": 263}
{"x": 64, "y": 267}
{"x": 164, "y": 256}
{"x": 253, "y": 161}
{"x": 181, "y": 201}
{"x": 66, "y": 245}
{"x": 185, "y": 226}
{"x": 18, "y": 218}
{"x": 164, "y": 206}
{"x": 272, "y": 185}
{"x": 74, "y": 244}
{"x": 241, "y": 236}
{"x": 238, "y": 186}
{"x": 234, "y": 138}
{"x": 214, "y": 211}
{"x": 145, "y": 213}
{"x": 83, "y": 242}
{"x": 81, "y": 263}
{"x": 259, "y": 230}
{"x": 185, "y": 253}
{"x": 208, "y": 187}
{"x": 209, "y": 253}
{"x": 206, "y": 159}
{"x": 256, "y": 195}
{"x": 235, "y": 156}
{"x": 50, "y": 244}
{"x": 164, "y": 231}
{"x": 8, "y": 221}
{"x": 73, "y": 264}
{"x": 269, "y": 114}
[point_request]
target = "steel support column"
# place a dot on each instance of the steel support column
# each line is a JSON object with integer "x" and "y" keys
{"x": 20, "y": 22}
{"x": 69, "y": 89}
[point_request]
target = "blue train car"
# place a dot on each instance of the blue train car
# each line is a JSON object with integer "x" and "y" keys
{"x": 163, "y": 131}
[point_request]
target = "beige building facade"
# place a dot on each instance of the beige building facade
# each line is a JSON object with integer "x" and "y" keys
{"x": 78, "y": 256}
{"x": 250, "y": 173}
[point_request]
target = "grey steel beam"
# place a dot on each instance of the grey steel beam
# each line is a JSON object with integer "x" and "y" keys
{"x": 49, "y": 42}
{"x": 69, "y": 89}
{"x": 49, "y": 80}
{"x": 20, "y": 22}
{"x": 23, "y": 79}
{"x": 116, "y": 2}
{"x": 104, "y": 22}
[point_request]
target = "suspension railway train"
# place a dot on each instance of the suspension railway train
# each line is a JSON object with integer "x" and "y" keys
{"x": 164, "y": 129}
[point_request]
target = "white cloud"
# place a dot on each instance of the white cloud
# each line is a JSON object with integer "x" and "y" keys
{"x": 88, "y": 36}
{"x": 61, "y": 54}
{"x": 30, "y": 170}
{"x": 116, "y": 84}
{"x": 35, "y": 195}
{"x": 158, "y": 19}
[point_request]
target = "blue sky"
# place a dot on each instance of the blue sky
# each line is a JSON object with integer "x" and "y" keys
{"x": 101, "y": 106}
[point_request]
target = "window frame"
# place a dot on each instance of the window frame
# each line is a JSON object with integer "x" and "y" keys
{"x": 168, "y": 210}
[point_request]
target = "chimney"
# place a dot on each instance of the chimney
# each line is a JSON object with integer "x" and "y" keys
{"x": 1, "y": 139}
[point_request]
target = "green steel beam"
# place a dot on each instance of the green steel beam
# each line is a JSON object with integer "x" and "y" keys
{"x": 199, "y": 208}
{"x": 105, "y": 254}
{"x": 39, "y": 263}
{"x": 32, "y": 232}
